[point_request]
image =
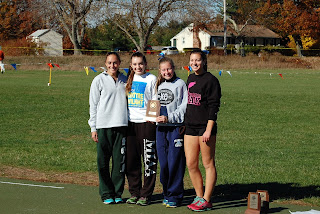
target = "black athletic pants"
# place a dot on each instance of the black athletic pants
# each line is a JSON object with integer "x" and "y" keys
{"x": 141, "y": 142}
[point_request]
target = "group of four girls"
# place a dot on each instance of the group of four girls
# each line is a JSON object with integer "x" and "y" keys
{"x": 117, "y": 119}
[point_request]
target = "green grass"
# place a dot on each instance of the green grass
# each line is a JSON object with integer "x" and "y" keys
{"x": 268, "y": 136}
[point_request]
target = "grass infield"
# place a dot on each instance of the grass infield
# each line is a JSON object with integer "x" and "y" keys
{"x": 268, "y": 135}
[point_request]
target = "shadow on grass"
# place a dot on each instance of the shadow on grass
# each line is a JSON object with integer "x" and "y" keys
{"x": 276, "y": 191}
{"x": 234, "y": 195}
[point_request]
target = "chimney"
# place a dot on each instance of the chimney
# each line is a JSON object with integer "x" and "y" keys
{"x": 196, "y": 39}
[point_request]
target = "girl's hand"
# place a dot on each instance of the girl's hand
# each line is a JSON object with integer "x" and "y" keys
{"x": 94, "y": 136}
{"x": 206, "y": 136}
{"x": 162, "y": 119}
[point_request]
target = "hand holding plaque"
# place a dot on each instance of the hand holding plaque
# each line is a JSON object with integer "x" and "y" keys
{"x": 153, "y": 110}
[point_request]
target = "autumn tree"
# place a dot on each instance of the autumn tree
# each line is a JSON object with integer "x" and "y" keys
{"x": 17, "y": 19}
{"x": 72, "y": 14}
{"x": 292, "y": 17}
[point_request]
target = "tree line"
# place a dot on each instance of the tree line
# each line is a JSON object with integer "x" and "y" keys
{"x": 135, "y": 24}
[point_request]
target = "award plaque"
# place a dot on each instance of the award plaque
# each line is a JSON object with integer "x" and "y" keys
{"x": 254, "y": 203}
{"x": 153, "y": 110}
{"x": 264, "y": 195}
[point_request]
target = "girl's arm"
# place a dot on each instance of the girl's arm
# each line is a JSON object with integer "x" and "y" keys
{"x": 177, "y": 116}
{"x": 214, "y": 95}
{"x": 213, "y": 100}
{"x": 94, "y": 98}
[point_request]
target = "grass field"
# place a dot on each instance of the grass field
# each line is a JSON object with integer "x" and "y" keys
{"x": 268, "y": 137}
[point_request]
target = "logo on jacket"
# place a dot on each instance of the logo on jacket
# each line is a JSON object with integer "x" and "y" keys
{"x": 193, "y": 98}
{"x": 136, "y": 96}
{"x": 165, "y": 96}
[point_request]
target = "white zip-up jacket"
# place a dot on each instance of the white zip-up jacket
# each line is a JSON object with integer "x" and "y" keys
{"x": 108, "y": 102}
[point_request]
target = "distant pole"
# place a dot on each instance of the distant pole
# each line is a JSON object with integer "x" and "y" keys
{"x": 225, "y": 26}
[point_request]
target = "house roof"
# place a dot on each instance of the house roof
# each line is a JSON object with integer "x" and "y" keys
{"x": 41, "y": 32}
{"x": 256, "y": 31}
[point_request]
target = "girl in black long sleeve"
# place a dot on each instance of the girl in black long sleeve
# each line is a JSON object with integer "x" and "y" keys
{"x": 204, "y": 94}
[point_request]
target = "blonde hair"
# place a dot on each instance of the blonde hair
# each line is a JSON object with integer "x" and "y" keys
{"x": 160, "y": 78}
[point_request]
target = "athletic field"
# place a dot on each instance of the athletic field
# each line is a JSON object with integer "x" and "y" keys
{"x": 268, "y": 138}
{"x": 20, "y": 196}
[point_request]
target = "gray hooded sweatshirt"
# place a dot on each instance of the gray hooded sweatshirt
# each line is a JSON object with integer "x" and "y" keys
{"x": 173, "y": 97}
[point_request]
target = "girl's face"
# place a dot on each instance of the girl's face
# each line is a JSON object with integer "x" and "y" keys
{"x": 196, "y": 62}
{"x": 112, "y": 63}
{"x": 138, "y": 65}
{"x": 166, "y": 70}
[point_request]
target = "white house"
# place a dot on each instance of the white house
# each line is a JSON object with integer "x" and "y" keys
{"x": 256, "y": 35}
{"x": 51, "y": 41}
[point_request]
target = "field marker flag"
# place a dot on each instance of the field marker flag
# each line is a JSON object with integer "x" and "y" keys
{"x": 229, "y": 73}
{"x": 206, "y": 52}
{"x": 92, "y": 68}
{"x": 50, "y": 66}
{"x": 188, "y": 68}
{"x": 281, "y": 76}
{"x": 87, "y": 70}
{"x": 161, "y": 56}
{"x": 220, "y": 72}
{"x": 14, "y": 66}
{"x": 57, "y": 65}
{"x": 126, "y": 70}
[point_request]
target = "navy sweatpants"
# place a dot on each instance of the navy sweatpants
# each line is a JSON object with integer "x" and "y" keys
{"x": 170, "y": 149}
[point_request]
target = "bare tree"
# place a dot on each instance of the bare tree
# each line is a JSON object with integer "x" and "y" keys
{"x": 137, "y": 18}
{"x": 72, "y": 14}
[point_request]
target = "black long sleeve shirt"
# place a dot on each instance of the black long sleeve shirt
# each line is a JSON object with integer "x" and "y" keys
{"x": 204, "y": 93}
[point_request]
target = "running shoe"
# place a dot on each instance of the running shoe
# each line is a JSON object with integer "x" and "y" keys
{"x": 118, "y": 200}
{"x": 195, "y": 200}
{"x": 132, "y": 200}
{"x": 172, "y": 204}
{"x": 108, "y": 201}
{"x": 201, "y": 205}
{"x": 164, "y": 202}
{"x": 142, "y": 201}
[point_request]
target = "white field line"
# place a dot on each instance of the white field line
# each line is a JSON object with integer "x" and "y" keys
{"x": 32, "y": 185}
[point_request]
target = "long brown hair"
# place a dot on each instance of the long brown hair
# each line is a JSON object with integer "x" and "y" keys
{"x": 131, "y": 72}
{"x": 160, "y": 78}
